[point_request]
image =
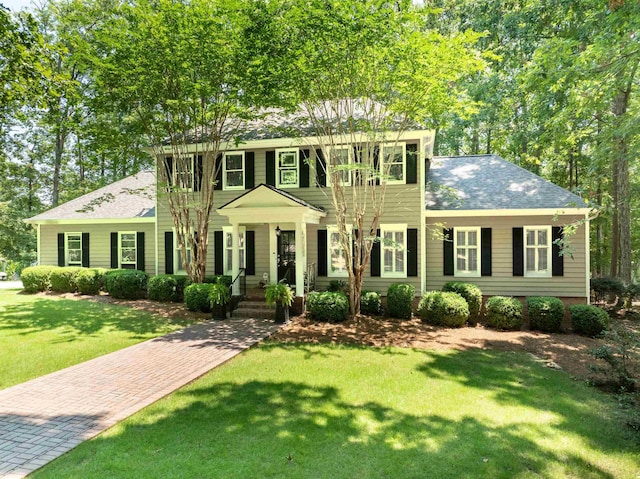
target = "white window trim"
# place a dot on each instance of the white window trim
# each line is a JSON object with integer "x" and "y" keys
{"x": 174, "y": 172}
{"x": 330, "y": 166}
{"x": 66, "y": 248}
{"x": 176, "y": 252}
{"x": 229, "y": 230}
{"x": 387, "y": 228}
{"x": 297, "y": 167}
{"x": 330, "y": 272}
{"x": 135, "y": 239}
{"x": 384, "y": 168}
{"x": 224, "y": 171}
{"x": 537, "y": 274}
{"x": 456, "y": 271}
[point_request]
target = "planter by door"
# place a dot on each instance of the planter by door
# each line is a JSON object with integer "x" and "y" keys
{"x": 282, "y": 313}
{"x": 219, "y": 311}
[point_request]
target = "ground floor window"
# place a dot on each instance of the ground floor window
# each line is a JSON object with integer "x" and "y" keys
{"x": 537, "y": 247}
{"x": 228, "y": 248}
{"x": 467, "y": 247}
{"x": 73, "y": 247}
{"x": 393, "y": 250}
{"x": 336, "y": 254}
{"x": 180, "y": 266}
{"x": 127, "y": 247}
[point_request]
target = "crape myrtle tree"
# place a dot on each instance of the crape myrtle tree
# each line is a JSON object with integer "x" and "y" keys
{"x": 363, "y": 73}
{"x": 178, "y": 67}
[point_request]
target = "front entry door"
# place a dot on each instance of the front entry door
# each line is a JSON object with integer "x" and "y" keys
{"x": 287, "y": 257}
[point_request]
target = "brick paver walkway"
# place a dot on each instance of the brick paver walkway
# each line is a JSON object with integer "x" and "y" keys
{"x": 46, "y": 417}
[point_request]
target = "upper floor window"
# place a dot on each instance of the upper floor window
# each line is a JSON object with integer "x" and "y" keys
{"x": 341, "y": 158}
{"x": 466, "y": 246}
{"x": 537, "y": 249}
{"x": 73, "y": 244}
{"x": 233, "y": 170}
{"x": 336, "y": 254}
{"x": 394, "y": 159}
{"x": 394, "y": 250}
{"x": 228, "y": 248}
{"x": 127, "y": 248}
{"x": 287, "y": 166}
{"x": 180, "y": 171}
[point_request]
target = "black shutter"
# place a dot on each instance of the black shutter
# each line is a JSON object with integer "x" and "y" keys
{"x": 304, "y": 168}
{"x": 114, "y": 250}
{"x": 518, "y": 251}
{"x": 447, "y": 251}
{"x": 249, "y": 168}
{"x": 218, "y": 250}
{"x": 218, "y": 170}
{"x": 250, "y": 238}
{"x": 168, "y": 252}
{"x": 85, "y": 250}
{"x": 271, "y": 167}
{"x": 375, "y": 255}
{"x": 61, "y": 258}
{"x": 168, "y": 168}
{"x": 197, "y": 174}
{"x": 376, "y": 164}
{"x": 557, "y": 261}
{"x": 140, "y": 250}
{"x": 322, "y": 252}
{"x": 321, "y": 168}
{"x": 411, "y": 174}
{"x": 412, "y": 252}
{"x": 485, "y": 252}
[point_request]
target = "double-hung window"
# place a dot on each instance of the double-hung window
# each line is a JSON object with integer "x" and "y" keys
{"x": 73, "y": 244}
{"x": 228, "y": 249}
{"x": 233, "y": 170}
{"x": 467, "y": 247}
{"x": 287, "y": 166}
{"x": 182, "y": 267}
{"x": 336, "y": 254}
{"x": 340, "y": 159}
{"x": 537, "y": 251}
{"x": 127, "y": 248}
{"x": 394, "y": 250}
{"x": 183, "y": 172}
{"x": 394, "y": 159}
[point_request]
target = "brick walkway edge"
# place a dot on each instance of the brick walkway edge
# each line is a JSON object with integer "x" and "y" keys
{"x": 44, "y": 418}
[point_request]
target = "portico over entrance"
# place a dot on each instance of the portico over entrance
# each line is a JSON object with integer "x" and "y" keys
{"x": 287, "y": 218}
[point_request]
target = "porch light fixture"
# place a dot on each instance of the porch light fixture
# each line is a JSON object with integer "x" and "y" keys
{"x": 278, "y": 230}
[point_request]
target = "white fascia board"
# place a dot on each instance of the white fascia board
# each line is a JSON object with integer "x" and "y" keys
{"x": 92, "y": 221}
{"x": 509, "y": 212}
{"x": 257, "y": 215}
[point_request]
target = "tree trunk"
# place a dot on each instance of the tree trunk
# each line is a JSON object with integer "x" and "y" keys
{"x": 57, "y": 166}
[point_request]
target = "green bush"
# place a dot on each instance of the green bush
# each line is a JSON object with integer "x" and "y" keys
{"x": 65, "y": 280}
{"x": 37, "y": 278}
{"x": 545, "y": 313}
{"x": 588, "y": 320}
{"x": 471, "y": 293}
{"x": 631, "y": 293}
{"x": 504, "y": 313}
{"x": 167, "y": 287}
{"x": 224, "y": 278}
{"x": 91, "y": 280}
{"x": 370, "y": 302}
{"x": 126, "y": 283}
{"x": 400, "y": 300}
{"x": 196, "y": 297}
{"x": 327, "y": 306}
{"x": 338, "y": 286}
{"x": 603, "y": 287}
{"x": 443, "y": 308}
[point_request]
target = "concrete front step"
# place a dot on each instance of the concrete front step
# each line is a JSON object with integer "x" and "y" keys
{"x": 256, "y": 313}
{"x": 254, "y": 304}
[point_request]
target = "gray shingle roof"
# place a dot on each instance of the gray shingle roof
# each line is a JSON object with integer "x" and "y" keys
{"x": 486, "y": 182}
{"x": 131, "y": 197}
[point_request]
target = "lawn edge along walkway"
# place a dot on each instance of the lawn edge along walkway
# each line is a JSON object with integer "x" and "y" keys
{"x": 48, "y": 416}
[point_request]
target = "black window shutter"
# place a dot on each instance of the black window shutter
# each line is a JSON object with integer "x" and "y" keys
{"x": 250, "y": 253}
{"x": 376, "y": 164}
{"x": 322, "y": 252}
{"x": 197, "y": 174}
{"x": 518, "y": 251}
{"x": 218, "y": 167}
{"x": 140, "y": 250}
{"x": 271, "y": 167}
{"x": 168, "y": 252}
{"x": 114, "y": 250}
{"x": 412, "y": 252}
{"x": 85, "y": 250}
{"x": 218, "y": 250}
{"x": 485, "y": 252}
{"x": 375, "y": 255}
{"x": 411, "y": 174}
{"x": 304, "y": 168}
{"x": 168, "y": 168}
{"x": 557, "y": 261}
{"x": 321, "y": 168}
{"x": 250, "y": 170}
{"x": 447, "y": 251}
{"x": 61, "y": 258}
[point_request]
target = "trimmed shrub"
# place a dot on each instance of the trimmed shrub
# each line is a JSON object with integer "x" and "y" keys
{"x": 370, "y": 302}
{"x": 338, "y": 286}
{"x": 327, "y": 306}
{"x": 126, "y": 283}
{"x": 37, "y": 278}
{"x": 167, "y": 287}
{"x": 443, "y": 308}
{"x": 545, "y": 313}
{"x": 400, "y": 300}
{"x": 588, "y": 320}
{"x": 504, "y": 313}
{"x": 631, "y": 293}
{"x": 65, "y": 280}
{"x": 91, "y": 280}
{"x": 224, "y": 278}
{"x": 472, "y": 295}
{"x": 603, "y": 287}
{"x": 196, "y": 297}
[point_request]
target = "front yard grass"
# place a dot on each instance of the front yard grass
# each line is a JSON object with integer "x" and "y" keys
{"x": 41, "y": 334}
{"x": 301, "y": 411}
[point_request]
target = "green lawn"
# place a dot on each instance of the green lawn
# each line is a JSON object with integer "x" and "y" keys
{"x": 40, "y": 334}
{"x": 346, "y": 412}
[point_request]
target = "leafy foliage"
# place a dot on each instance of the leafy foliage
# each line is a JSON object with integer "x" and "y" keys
{"x": 196, "y": 297}
{"x": 370, "y": 303}
{"x": 440, "y": 308}
{"x": 37, "y": 278}
{"x": 504, "y": 313}
{"x": 65, "y": 280}
{"x": 621, "y": 353}
{"x": 545, "y": 313}
{"x": 327, "y": 306}
{"x": 400, "y": 300}
{"x": 126, "y": 283}
{"x": 471, "y": 293}
{"x": 91, "y": 280}
{"x": 588, "y": 320}
{"x": 278, "y": 293}
{"x": 167, "y": 287}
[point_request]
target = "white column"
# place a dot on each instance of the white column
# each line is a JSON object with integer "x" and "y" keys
{"x": 301, "y": 256}
{"x": 273, "y": 254}
{"x": 235, "y": 258}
